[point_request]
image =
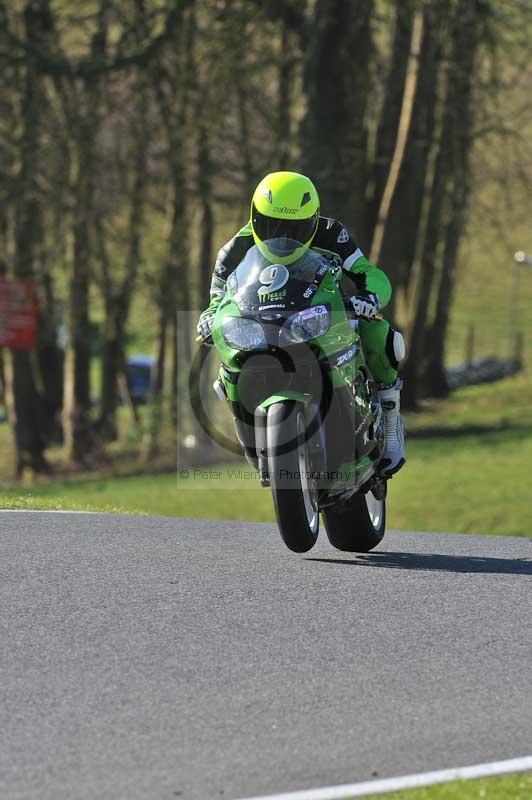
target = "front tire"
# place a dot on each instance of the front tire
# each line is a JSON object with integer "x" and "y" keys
{"x": 358, "y": 526}
{"x": 293, "y": 488}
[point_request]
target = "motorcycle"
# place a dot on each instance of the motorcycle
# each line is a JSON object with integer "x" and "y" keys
{"x": 304, "y": 404}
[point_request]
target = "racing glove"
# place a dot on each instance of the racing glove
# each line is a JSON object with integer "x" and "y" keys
{"x": 204, "y": 326}
{"x": 366, "y": 305}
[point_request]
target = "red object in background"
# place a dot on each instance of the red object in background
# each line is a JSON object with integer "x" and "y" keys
{"x": 18, "y": 314}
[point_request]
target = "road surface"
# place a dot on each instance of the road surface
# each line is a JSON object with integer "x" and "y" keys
{"x": 160, "y": 658}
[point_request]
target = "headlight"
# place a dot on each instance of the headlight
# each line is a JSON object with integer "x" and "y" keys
{"x": 243, "y": 334}
{"x": 306, "y": 325}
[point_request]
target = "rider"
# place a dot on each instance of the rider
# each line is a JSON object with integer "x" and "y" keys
{"x": 286, "y": 204}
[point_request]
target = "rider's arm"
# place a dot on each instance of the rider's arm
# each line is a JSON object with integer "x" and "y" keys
{"x": 227, "y": 260}
{"x": 334, "y": 237}
{"x": 371, "y": 279}
{"x": 216, "y": 294}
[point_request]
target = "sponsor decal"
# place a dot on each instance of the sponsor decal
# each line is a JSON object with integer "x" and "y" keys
{"x": 345, "y": 357}
{"x": 343, "y": 236}
{"x": 285, "y": 210}
{"x": 310, "y": 290}
{"x": 272, "y": 278}
{"x": 342, "y": 357}
{"x": 270, "y": 296}
{"x": 313, "y": 287}
{"x": 310, "y": 313}
{"x": 273, "y": 305}
{"x": 219, "y": 268}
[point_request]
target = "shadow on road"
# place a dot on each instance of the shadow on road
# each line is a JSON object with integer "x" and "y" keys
{"x": 435, "y": 563}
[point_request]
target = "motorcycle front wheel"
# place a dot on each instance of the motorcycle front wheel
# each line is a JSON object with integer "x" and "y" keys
{"x": 293, "y": 486}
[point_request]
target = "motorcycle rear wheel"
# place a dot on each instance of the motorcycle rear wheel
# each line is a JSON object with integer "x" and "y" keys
{"x": 359, "y": 526}
{"x": 293, "y": 491}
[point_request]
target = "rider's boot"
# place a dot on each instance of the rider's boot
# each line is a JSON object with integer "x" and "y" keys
{"x": 394, "y": 445}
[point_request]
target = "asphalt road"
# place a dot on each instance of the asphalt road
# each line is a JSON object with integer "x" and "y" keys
{"x": 163, "y": 658}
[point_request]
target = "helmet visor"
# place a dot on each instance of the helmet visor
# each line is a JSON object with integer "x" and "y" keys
{"x": 299, "y": 230}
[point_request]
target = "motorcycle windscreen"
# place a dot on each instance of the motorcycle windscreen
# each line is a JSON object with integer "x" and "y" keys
{"x": 267, "y": 280}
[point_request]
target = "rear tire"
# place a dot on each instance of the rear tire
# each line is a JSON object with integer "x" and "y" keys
{"x": 359, "y": 526}
{"x": 293, "y": 490}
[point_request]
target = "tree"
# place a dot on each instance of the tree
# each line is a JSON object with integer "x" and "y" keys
{"x": 334, "y": 134}
{"x": 448, "y": 198}
{"x": 403, "y": 227}
{"x": 30, "y": 422}
{"x": 118, "y": 291}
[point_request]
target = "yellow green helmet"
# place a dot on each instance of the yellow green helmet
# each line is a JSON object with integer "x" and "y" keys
{"x": 286, "y": 206}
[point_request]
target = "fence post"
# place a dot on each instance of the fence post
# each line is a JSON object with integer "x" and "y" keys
{"x": 470, "y": 345}
{"x": 518, "y": 348}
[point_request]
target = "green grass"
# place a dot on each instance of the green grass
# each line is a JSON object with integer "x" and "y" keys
{"x": 468, "y": 471}
{"x": 456, "y": 479}
{"x": 509, "y": 787}
{"x": 151, "y": 494}
{"x": 443, "y": 488}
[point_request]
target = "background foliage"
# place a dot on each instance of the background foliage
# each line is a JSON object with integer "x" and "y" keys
{"x": 132, "y": 133}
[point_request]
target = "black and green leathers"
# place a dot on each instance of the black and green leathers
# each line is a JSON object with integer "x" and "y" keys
{"x": 332, "y": 239}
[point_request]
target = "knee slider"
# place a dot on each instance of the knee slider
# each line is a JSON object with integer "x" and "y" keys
{"x": 399, "y": 348}
{"x": 395, "y": 347}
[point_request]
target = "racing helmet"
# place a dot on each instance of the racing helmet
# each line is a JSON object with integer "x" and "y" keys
{"x": 285, "y": 207}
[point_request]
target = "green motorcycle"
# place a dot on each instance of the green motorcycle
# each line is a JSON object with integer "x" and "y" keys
{"x": 304, "y": 403}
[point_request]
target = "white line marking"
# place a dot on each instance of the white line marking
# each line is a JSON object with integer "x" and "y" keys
{"x": 347, "y": 791}
{"x": 42, "y": 511}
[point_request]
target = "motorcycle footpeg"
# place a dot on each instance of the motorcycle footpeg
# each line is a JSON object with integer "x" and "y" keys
{"x": 264, "y": 478}
{"x": 377, "y": 485}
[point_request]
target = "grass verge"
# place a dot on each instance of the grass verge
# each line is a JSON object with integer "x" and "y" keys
{"x": 468, "y": 470}
{"x": 509, "y": 787}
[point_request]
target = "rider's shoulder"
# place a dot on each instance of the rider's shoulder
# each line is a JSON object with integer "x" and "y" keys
{"x": 246, "y": 230}
{"x": 334, "y": 259}
{"x": 233, "y": 251}
{"x": 242, "y": 238}
{"x": 333, "y": 235}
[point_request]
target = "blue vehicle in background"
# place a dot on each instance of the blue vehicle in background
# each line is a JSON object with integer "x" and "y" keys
{"x": 139, "y": 377}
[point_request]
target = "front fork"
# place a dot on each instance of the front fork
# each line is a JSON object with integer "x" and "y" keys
{"x": 261, "y": 427}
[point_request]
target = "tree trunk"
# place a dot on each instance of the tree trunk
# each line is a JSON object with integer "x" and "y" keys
{"x": 158, "y": 382}
{"x": 177, "y": 396}
{"x": 82, "y": 434}
{"x": 391, "y": 109}
{"x": 30, "y": 422}
{"x": 88, "y": 122}
{"x": 118, "y": 300}
{"x": 160, "y": 362}
{"x": 403, "y": 226}
{"x": 334, "y": 135}
{"x": 448, "y": 170}
{"x": 174, "y": 107}
{"x": 205, "y": 196}
{"x": 287, "y": 64}
{"x": 403, "y": 129}
{"x": 462, "y": 75}
{"x": 50, "y": 357}
{"x": 112, "y": 366}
